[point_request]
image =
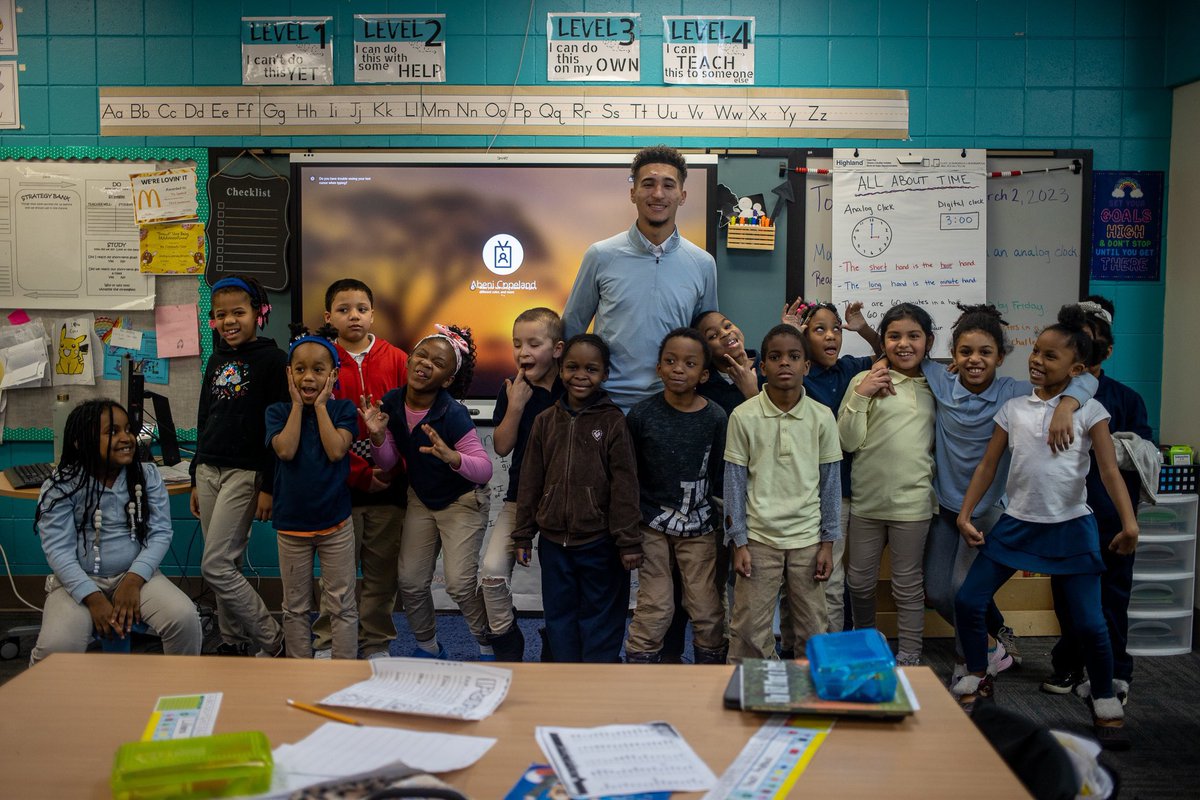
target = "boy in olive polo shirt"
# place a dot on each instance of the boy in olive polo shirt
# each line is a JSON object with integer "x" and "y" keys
{"x": 783, "y": 491}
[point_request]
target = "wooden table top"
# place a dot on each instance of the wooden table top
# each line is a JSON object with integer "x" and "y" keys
{"x": 62, "y": 721}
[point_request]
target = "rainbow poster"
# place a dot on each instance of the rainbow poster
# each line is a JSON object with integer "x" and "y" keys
{"x": 1126, "y": 225}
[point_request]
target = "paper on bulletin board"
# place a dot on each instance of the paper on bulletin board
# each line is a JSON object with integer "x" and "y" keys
{"x": 31, "y": 337}
{"x": 10, "y": 103}
{"x": 155, "y": 369}
{"x": 71, "y": 342}
{"x": 172, "y": 248}
{"x": 167, "y": 195}
{"x": 69, "y": 231}
{"x": 178, "y": 331}
{"x": 8, "y": 27}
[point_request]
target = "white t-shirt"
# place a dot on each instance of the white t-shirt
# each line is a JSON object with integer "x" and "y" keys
{"x": 1044, "y": 486}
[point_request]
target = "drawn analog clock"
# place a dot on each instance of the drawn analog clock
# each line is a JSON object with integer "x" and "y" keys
{"x": 871, "y": 236}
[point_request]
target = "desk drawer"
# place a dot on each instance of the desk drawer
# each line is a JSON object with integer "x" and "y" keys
{"x": 1160, "y": 594}
{"x": 1160, "y": 637}
{"x": 1156, "y": 556}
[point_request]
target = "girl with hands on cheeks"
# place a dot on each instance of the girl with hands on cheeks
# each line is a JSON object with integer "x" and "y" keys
{"x": 424, "y": 423}
{"x": 105, "y": 525}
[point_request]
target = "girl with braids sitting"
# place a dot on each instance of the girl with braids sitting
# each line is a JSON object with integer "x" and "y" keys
{"x": 311, "y": 436}
{"x": 105, "y": 526}
{"x": 425, "y": 423}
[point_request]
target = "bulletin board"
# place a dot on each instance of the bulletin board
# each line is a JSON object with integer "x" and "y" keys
{"x": 27, "y": 415}
{"x": 1037, "y": 239}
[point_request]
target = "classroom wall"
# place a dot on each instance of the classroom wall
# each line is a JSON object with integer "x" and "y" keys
{"x": 1181, "y": 323}
{"x": 1183, "y": 57}
{"x": 992, "y": 73}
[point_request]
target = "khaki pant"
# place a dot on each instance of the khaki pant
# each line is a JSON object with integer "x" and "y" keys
{"x": 458, "y": 529}
{"x": 377, "y": 532}
{"x": 754, "y": 598}
{"x": 496, "y": 570}
{"x": 906, "y": 540}
{"x": 227, "y": 500}
{"x": 835, "y": 590}
{"x": 656, "y": 596}
{"x": 67, "y": 624}
{"x": 336, "y": 551}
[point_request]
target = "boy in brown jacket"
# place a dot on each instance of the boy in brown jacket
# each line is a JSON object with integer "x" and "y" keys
{"x": 579, "y": 490}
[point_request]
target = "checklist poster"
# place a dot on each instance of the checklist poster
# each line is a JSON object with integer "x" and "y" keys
{"x": 247, "y": 228}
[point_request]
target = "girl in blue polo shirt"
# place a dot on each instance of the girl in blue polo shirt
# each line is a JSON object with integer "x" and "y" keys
{"x": 448, "y": 468}
{"x": 311, "y": 436}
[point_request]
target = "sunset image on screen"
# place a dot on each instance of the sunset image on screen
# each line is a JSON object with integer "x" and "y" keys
{"x": 423, "y": 237}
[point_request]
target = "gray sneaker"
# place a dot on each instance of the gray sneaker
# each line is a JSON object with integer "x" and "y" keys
{"x": 325, "y": 654}
{"x": 908, "y": 659}
{"x": 1012, "y": 645}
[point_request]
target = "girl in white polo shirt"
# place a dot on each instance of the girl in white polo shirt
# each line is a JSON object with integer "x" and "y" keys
{"x": 1047, "y": 527}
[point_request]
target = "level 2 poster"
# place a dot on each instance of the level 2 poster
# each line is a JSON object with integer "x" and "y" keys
{"x": 1126, "y": 225}
{"x": 399, "y": 48}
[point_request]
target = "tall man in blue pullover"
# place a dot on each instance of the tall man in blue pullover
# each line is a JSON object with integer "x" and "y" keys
{"x": 642, "y": 283}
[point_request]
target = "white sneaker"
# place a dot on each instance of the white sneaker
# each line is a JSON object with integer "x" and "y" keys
{"x": 998, "y": 660}
{"x": 377, "y": 654}
{"x": 325, "y": 654}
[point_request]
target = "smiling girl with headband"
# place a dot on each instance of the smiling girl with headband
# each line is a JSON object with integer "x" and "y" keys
{"x": 448, "y": 471}
{"x": 234, "y": 470}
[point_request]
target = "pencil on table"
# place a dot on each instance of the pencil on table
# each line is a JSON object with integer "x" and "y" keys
{"x": 320, "y": 712}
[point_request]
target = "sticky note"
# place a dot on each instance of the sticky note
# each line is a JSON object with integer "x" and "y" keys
{"x": 18, "y": 317}
{"x": 125, "y": 339}
{"x": 178, "y": 331}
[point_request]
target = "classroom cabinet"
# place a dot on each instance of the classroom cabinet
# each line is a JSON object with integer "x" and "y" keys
{"x": 1164, "y": 577}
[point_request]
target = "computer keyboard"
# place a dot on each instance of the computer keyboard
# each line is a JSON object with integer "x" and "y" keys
{"x": 28, "y": 476}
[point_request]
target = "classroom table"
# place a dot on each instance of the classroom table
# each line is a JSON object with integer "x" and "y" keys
{"x": 7, "y": 490}
{"x": 63, "y": 720}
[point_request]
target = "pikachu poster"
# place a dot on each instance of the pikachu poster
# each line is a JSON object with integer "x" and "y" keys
{"x": 72, "y": 351}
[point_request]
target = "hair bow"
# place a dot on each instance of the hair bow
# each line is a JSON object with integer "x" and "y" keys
{"x": 1094, "y": 308}
{"x": 457, "y": 343}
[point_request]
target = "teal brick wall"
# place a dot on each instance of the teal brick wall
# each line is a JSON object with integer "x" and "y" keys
{"x": 993, "y": 73}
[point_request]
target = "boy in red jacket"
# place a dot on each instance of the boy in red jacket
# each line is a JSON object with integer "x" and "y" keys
{"x": 370, "y": 368}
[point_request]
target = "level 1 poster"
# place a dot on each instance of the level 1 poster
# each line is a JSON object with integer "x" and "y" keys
{"x": 287, "y": 51}
{"x": 910, "y": 227}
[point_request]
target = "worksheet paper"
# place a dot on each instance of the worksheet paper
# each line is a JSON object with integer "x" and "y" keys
{"x": 624, "y": 759}
{"x": 335, "y": 750}
{"x": 430, "y": 687}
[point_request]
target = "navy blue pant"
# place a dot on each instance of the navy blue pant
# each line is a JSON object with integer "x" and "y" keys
{"x": 1116, "y": 584}
{"x": 1080, "y": 602}
{"x": 585, "y": 596}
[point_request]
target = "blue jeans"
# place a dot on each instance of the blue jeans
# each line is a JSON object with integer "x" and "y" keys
{"x": 947, "y": 559}
{"x": 585, "y": 596}
{"x": 1116, "y": 584}
{"x": 1081, "y": 596}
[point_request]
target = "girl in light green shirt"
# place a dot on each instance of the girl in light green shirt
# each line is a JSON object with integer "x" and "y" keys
{"x": 892, "y": 497}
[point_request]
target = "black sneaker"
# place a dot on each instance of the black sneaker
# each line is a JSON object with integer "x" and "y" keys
{"x": 232, "y": 649}
{"x": 1062, "y": 682}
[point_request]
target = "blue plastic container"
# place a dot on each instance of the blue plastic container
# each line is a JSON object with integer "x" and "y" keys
{"x": 852, "y": 665}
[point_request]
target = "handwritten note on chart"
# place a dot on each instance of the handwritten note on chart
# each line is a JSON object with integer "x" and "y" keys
{"x": 910, "y": 228}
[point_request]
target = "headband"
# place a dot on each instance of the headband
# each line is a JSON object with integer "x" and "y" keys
{"x": 457, "y": 343}
{"x": 806, "y": 310}
{"x": 321, "y": 340}
{"x": 264, "y": 308}
{"x": 1095, "y": 309}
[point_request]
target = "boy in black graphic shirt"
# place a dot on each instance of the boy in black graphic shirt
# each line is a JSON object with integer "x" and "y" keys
{"x": 679, "y": 438}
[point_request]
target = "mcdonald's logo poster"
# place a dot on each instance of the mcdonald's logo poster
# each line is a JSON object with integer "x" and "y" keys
{"x": 164, "y": 196}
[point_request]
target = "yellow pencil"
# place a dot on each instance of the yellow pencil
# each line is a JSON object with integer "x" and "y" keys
{"x": 320, "y": 712}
